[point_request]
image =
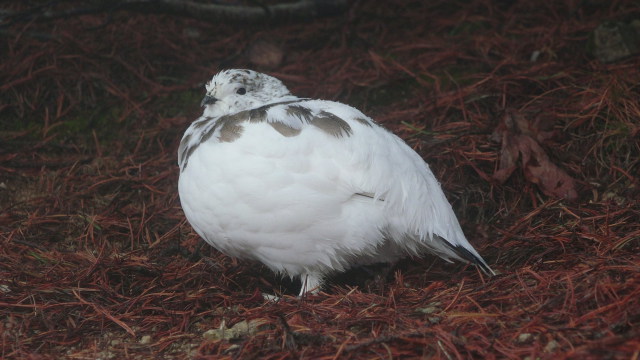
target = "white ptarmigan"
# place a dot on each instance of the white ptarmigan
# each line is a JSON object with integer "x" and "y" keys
{"x": 308, "y": 187}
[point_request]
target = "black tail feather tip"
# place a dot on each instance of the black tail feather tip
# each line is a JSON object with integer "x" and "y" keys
{"x": 467, "y": 255}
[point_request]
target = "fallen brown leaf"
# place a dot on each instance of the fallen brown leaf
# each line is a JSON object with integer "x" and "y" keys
{"x": 514, "y": 132}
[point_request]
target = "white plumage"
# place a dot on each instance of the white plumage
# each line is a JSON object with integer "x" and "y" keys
{"x": 308, "y": 187}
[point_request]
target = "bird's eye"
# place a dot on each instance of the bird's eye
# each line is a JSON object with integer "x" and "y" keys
{"x": 241, "y": 91}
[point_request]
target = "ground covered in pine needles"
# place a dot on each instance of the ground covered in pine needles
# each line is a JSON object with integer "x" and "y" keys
{"x": 532, "y": 128}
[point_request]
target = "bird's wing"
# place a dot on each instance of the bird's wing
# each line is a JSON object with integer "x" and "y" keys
{"x": 379, "y": 166}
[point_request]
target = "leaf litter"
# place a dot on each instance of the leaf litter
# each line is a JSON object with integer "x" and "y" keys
{"x": 96, "y": 260}
{"x": 519, "y": 139}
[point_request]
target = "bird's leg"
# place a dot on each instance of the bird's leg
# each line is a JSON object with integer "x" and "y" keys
{"x": 310, "y": 284}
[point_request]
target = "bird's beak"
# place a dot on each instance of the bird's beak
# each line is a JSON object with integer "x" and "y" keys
{"x": 208, "y": 100}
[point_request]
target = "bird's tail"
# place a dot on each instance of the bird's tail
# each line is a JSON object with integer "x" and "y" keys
{"x": 465, "y": 254}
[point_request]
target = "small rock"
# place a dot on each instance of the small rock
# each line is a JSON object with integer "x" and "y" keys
{"x": 191, "y": 32}
{"x": 265, "y": 54}
{"x": 613, "y": 41}
{"x": 535, "y": 55}
{"x": 524, "y": 337}
{"x": 146, "y": 339}
{"x": 241, "y": 329}
{"x": 430, "y": 308}
{"x": 551, "y": 346}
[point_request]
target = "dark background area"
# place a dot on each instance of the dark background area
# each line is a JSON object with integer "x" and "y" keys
{"x": 528, "y": 112}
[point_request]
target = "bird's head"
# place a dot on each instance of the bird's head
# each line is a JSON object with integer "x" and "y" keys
{"x": 231, "y": 91}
